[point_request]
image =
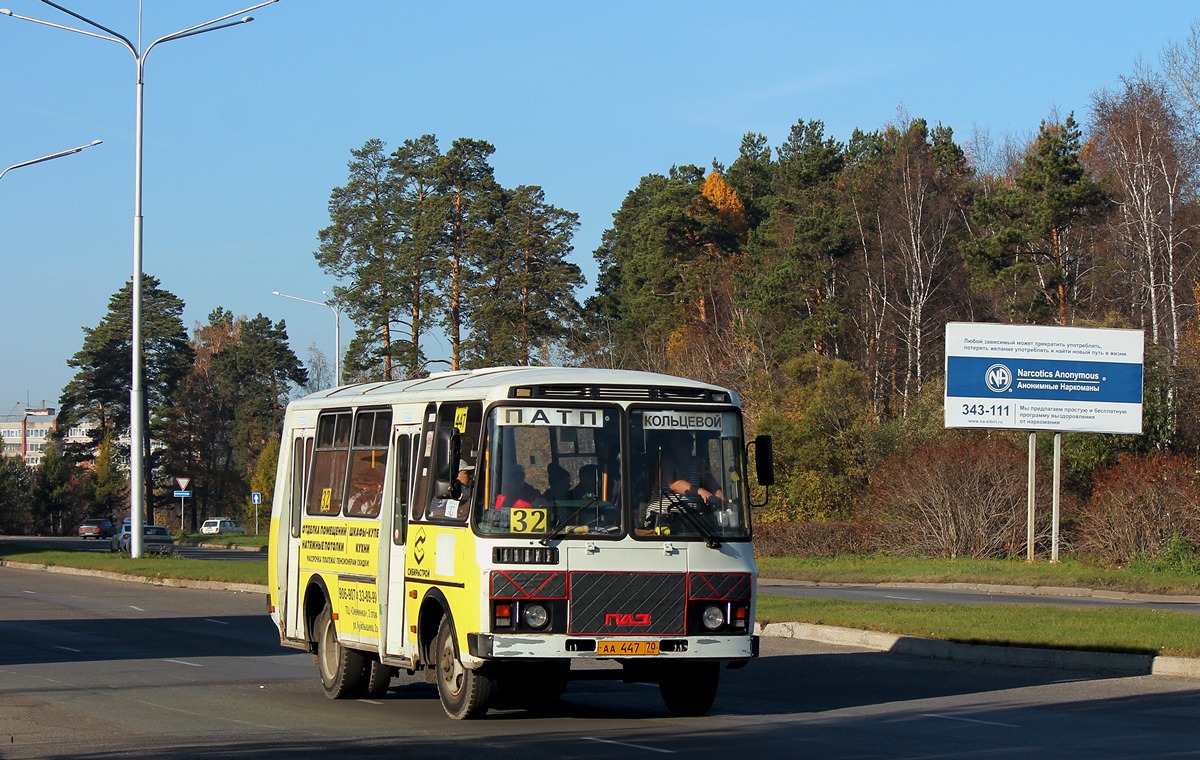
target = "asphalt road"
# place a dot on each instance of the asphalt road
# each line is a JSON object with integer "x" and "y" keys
{"x": 95, "y": 668}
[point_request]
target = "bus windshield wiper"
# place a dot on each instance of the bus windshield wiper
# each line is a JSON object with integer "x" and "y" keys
{"x": 692, "y": 517}
{"x": 556, "y": 531}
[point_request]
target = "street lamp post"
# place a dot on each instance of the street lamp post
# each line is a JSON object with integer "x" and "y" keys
{"x": 137, "y": 402}
{"x": 337, "y": 331}
{"x": 59, "y": 154}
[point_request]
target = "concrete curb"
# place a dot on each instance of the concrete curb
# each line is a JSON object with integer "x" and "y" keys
{"x": 1110, "y": 662}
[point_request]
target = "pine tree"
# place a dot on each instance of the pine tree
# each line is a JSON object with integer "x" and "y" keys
{"x": 99, "y": 391}
{"x": 362, "y": 245}
{"x": 466, "y": 181}
{"x": 524, "y": 293}
{"x": 1030, "y": 239}
{"x": 799, "y": 247}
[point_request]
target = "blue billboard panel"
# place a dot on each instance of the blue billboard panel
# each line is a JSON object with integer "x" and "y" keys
{"x": 1043, "y": 378}
{"x": 983, "y": 377}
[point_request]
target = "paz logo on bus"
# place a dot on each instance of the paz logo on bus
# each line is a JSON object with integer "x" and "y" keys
{"x": 627, "y": 618}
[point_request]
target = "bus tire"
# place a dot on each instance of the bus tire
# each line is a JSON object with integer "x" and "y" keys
{"x": 342, "y": 670}
{"x": 464, "y": 692}
{"x": 688, "y": 689}
{"x": 378, "y": 679}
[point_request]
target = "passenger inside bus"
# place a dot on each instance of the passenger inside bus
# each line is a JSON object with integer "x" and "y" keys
{"x": 515, "y": 491}
{"x": 451, "y": 507}
{"x": 589, "y": 483}
{"x": 366, "y": 501}
{"x": 685, "y": 473}
{"x": 560, "y": 483}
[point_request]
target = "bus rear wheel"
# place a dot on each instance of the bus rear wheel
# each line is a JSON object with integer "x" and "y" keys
{"x": 689, "y": 689}
{"x": 464, "y": 692}
{"x": 342, "y": 670}
{"x": 377, "y": 680}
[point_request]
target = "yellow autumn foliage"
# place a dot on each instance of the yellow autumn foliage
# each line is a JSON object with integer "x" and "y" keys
{"x": 724, "y": 198}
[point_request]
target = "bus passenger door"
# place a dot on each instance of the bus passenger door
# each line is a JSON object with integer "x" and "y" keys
{"x": 301, "y": 456}
{"x": 405, "y": 439}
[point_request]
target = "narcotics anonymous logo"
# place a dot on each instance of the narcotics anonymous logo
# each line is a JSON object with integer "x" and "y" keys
{"x": 998, "y": 378}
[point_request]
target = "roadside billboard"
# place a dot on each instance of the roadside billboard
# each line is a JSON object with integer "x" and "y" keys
{"x": 1025, "y": 377}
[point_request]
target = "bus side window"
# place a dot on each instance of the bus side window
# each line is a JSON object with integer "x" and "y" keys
{"x": 327, "y": 485}
{"x": 368, "y": 462}
{"x": 400, "y": 492}
{"x": 458, "y": 424}
{"x": 301, "y": 460}
{"x": 424, "y": 472}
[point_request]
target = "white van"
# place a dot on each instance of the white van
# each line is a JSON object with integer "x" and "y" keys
{"x": 220, "y": 525}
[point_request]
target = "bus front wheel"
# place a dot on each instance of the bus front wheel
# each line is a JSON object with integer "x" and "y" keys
{"x": 342, "y": 670}
{"x": 465, "y": 692}
{"x": 689, "y": 689}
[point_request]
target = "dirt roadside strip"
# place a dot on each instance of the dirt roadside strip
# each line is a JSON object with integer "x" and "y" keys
{"x": 913, "y": 646}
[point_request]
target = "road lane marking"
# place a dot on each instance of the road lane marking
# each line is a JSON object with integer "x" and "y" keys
{"x": 69, "y": 649}
{"x": 218, "y": 622}
{"x": 631, "y": 746}
{"x": 903, "y": 598}
{"x": 969, "y": 720}
{"x": 185, "y": 662}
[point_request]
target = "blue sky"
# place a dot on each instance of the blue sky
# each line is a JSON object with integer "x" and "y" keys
{"x": 248, "y": 129}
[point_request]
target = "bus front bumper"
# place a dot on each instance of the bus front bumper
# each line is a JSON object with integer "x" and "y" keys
{"x": 505, "y": 646}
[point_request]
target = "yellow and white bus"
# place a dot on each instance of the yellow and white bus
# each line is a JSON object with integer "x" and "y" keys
{"x": 503, "y": 530}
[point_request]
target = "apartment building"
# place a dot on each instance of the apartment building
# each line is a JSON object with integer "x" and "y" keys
{"x": 25, "y": 433}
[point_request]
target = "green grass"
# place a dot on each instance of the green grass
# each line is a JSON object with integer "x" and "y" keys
{"x": 1146, "y": 578}
{"x": 1106, "y": 630}
{"x": 1109, "y": 629}
{"x": 149, "y": 566}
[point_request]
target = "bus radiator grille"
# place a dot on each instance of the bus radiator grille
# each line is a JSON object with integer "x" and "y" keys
{"x": 644, "y": 604}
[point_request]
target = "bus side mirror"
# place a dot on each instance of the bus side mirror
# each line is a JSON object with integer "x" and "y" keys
{"x": 764, "y": 466}
{"x": 764, "y": 460}
{"x": 449, "y": 451}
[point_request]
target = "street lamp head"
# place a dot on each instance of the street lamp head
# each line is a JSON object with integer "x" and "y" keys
{"x": 5, "y": 12}
{"x": 276, "y": 293}
{"x": 95, "y": 142}
{"x": 247, "y": 19}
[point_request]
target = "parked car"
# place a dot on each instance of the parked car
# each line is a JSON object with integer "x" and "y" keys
{"x": 155, "y": 538}
{"x": 220, "y": 525}
{"x": 99, "y": 528}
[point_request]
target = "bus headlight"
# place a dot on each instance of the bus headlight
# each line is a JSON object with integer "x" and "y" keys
{"x": 713, "y": 618}
{"x": 535, "y": 616}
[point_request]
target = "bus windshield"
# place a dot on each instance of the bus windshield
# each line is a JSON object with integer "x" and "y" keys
{"x": 687, "y": 474}
{"x": 551, "y": 472}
